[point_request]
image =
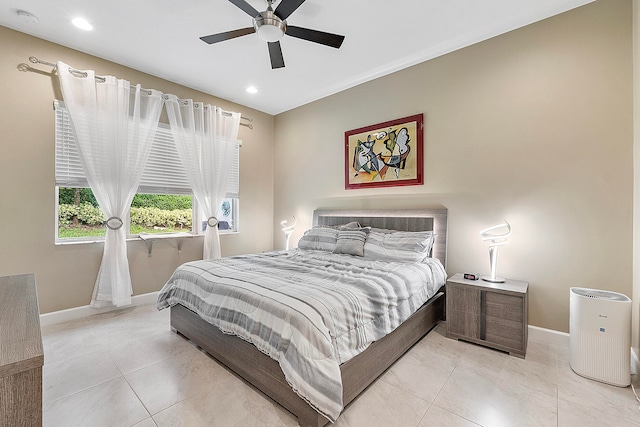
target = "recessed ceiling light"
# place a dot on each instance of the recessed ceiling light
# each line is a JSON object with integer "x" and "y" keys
{"x": 252, "y": 89}
{"x": 82, "y": 23}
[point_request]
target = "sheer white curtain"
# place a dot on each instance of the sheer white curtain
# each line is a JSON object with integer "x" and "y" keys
{"x": 206, "y": 138}
{"x": 114, "y": 126}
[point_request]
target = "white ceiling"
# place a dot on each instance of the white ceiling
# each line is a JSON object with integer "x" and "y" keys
{"x": 161, "y": 37}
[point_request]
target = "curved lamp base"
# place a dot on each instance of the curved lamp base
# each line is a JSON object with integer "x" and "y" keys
{"x": 497, "y": 240}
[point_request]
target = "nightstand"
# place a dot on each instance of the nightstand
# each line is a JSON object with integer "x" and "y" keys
{"x": 489, "y": 314}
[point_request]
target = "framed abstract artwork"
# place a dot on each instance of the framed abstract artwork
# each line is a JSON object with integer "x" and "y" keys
{"x": 386, "y": 154}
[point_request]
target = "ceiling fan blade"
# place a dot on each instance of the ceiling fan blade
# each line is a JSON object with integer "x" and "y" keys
{"x": 246, "y": 7}
{"x": 327, "y": 39}
{"x": 275, "y": 53}
{"x": 287, "y": 7}
{"x": 215, "y": 38}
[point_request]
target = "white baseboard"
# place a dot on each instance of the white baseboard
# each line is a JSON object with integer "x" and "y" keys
{"x": 86, "y": 311}
{"x": 556, "y": 337}
{"x": 537, "y": 333}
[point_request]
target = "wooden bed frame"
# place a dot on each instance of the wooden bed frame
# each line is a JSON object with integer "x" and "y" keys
{"x": 358, "y": 373}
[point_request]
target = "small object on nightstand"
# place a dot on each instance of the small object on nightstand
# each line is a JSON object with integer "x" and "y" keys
{"x": 490, "y": 314}
{"x": 471, "y": 276}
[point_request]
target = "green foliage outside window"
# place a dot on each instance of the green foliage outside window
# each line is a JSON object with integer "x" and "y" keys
{"x": 162, "y": 201}
{"x": 80, "y": 216}
{"x": 145, "y": 217}
{"x": 72, "y": 196}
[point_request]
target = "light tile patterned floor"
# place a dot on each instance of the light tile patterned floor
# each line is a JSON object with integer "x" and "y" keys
{"x": 126, "y": 368}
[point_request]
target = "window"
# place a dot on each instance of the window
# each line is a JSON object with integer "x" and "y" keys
{"x": 163, "y": 203}
{"x": 227, "y": 218}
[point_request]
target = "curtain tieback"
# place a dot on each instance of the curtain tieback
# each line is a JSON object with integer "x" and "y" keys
{"x": 212, "y": 221}
{"x": 114, "y": 219}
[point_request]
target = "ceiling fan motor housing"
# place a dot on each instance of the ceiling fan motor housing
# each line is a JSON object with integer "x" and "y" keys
{"x": 269, "y": 27}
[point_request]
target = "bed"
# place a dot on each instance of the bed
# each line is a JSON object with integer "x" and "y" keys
{"x": 358, "y": 371}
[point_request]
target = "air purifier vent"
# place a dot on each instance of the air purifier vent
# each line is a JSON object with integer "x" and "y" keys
{"x": 598, "y": 294}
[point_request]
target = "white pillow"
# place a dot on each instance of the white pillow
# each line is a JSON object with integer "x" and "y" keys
{"x": 347, "y": 226}
{"x": 350, "y": 226}
{"x": 319, "y": 239}
{"x": 413, "y": 246}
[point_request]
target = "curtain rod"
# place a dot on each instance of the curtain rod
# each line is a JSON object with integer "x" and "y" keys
{"x": 35, "y": 60}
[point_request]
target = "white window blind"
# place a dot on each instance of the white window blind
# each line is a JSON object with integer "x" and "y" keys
{"x": 163, "y": 174}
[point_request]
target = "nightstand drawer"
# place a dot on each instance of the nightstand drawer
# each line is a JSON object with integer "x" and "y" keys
{"x": 504, "y": 306}
{"x": 508, "y": 333}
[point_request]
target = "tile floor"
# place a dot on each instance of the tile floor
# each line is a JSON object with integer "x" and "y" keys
{"x": 126, "y": 368}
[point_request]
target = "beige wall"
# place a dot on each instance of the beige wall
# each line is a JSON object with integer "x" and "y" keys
{"x": 636, "y": 178}
{"x": 66, "y": 274}
{"x": 534, "y": 126}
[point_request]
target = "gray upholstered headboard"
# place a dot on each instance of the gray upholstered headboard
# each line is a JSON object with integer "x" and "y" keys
{"x": 403, "y": 220}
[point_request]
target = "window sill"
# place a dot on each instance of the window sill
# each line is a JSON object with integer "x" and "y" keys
{"x": 147, "y": 237}
{"x": 137, "y": 238}
{"x": 70, "y": 242}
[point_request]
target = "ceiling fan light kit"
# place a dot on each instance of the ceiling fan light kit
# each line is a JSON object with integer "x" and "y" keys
{"x": 271, "y": 26}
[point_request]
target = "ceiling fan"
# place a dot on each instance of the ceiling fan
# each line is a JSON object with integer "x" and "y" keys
{"x": 271, "y": 26}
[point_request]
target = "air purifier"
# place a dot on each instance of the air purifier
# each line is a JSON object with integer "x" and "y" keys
{"x": 600, "y": 335}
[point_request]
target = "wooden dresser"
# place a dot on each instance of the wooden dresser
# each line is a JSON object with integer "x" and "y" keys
{"x": 491, "y": 314}
{"x": 21, "y": 354}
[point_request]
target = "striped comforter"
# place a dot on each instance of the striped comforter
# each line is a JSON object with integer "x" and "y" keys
{"x": 308, "y": 310}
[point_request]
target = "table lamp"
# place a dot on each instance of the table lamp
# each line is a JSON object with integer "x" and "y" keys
{"x": 497, "y": 236}
{"x": 288, "y": 230}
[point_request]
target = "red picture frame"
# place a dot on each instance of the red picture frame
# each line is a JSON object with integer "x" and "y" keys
{"x": 387, "y": 154}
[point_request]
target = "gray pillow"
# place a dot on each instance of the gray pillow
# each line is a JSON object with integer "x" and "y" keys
{"x": 351, "y": 241}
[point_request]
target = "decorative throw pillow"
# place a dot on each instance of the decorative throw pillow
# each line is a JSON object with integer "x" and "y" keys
{"x": 319, "y": 239}
{"x": 399, "y": 245}
{"x": 351, "y": 241}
